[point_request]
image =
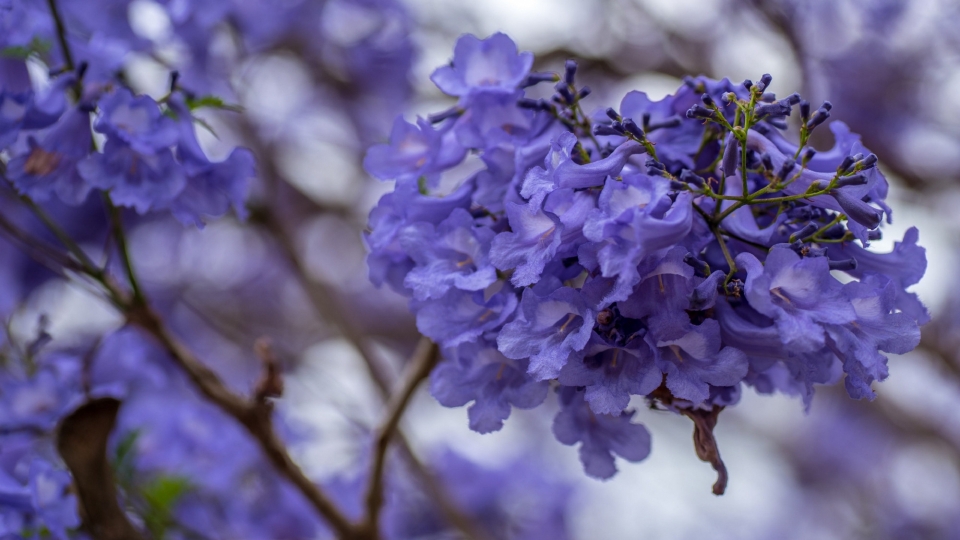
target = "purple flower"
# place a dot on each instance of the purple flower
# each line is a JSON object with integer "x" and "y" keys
{"x": 799, "y": 294}
{"x": 455, "y": 254}
{"x": 669, "y": 285}
{"x": 414, "y": 150}
{"x": 135, "y": 121}
{"x": 634, "y": 219}
{"x": 210, "y": 188}
{"x": 532, "y": 242}
{"x": 492, "y": 65}
{"x": 461, "y": 316}
{"x": 601, "y": 435}
{"x": 388, "y": 261}
{"x": 905, "y": 265}
{"x": 878, "y": 327}
{"x": 611, "y": 373}
{"x": 692, "y": 357}
{"x": 136, "y": 165}
{"x": 21, "y": 109}
{"x": 478, "y": 372}
{"x": 549, "y": 330}
{"x": 561, "y": 171}
{"x": 50, "y": 164}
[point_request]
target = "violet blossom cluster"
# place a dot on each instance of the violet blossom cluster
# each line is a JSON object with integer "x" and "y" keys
{"x": 675, "y": 250}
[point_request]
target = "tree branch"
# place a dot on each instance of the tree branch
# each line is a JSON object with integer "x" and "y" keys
{"x": 82, "y": 443}
{"x": 254, "y": 416}
{"x": 424, "y": 359}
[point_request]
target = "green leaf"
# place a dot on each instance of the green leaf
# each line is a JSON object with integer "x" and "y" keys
{"x": 422, "y": 185}
{"x": 161, "y": 496}
{"x": 212, "y": 102}
{"x": 22, "y": 52}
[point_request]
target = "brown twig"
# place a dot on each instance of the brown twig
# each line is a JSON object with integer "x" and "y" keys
{"x": 423, "y": 361}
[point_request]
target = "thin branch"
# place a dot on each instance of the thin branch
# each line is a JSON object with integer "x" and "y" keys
{"x": 116, "y": 227}
{"x": 61, "y": 34}
{"x": 423, "y": 361}
{"x": 254, "y": 416}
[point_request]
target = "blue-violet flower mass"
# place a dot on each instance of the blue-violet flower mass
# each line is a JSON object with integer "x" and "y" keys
{"x": 676, "y": 250}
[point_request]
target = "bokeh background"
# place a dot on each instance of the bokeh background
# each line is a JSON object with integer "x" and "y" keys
{"x": 883, "y": 469}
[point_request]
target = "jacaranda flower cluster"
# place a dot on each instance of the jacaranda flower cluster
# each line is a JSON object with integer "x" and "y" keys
{"x": 677, "y": 250}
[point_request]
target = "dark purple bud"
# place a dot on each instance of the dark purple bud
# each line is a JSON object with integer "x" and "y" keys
{"x": 174, "y": 78}
{"x": 674, "y": 185}
{"x": 874, "y": 235}
{"x": 82, "y": 70}
{"x": 768, "y": 97}
{"x": 707, "y": 100}
{"x": 818, "y": 118}
{"x": 848, "y": 264}
{"x": 808, "y": 154}
{"x": 747, "y": 83}
{"x": 762, "y": 129}
{"x": 563, "y": 89}
{"x": 805, "y": 231}
{"x": 858, "y": 179}
{"x": 827, "y": 106}
{"x": 613, "y": 114}
{"x": 632, "y": 128}
{"x": 538, "y": 77}
{"x": 785, "y": 170}
{"x": 767, "y": 161}
{"x": 577, "y": 155}
{"x": 804, "y": 109}
{"x": 778, "y": 108}
{"x": 764, "y": 82}
{"x": 869, "y": 162}
{"x": 728, "y": 98}
{"x": 846, "y": 164}
{"x": 699, "y": 111}
{"x": 655, "y": 164}
{"x": 731, "y": 153}
{"x": 602, "y": 129}
{"x": 700, "y": 268}
{"x": 570, "y": 71}
{"x": 857, "y": 210}
{"x": 584, "y": 92}
{"x": 691, "y": 177}
{"x": 834, "y": 232}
